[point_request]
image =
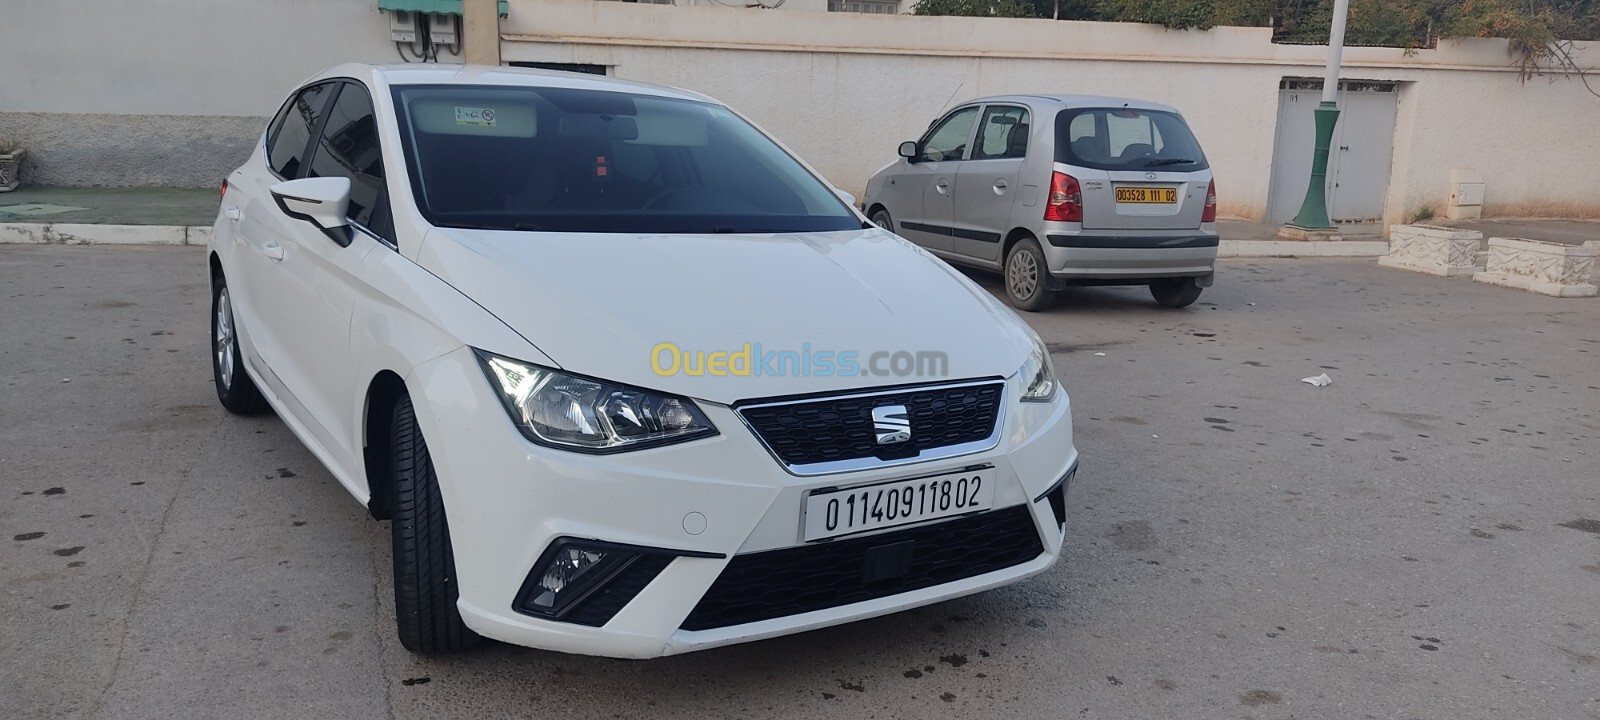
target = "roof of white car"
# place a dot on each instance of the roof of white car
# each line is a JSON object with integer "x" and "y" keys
{"x": 500, "y": 75}
{"x": 1077, "y": 101}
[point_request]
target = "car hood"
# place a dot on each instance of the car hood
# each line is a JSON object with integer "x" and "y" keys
{"x": 600, "y": 304}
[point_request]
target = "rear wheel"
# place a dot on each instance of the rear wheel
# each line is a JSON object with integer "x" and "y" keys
{"x": 235, "y": 390}
{"x": 1175, "y": 292}
{"x": 880, "y": 217}
{"x": 1028, "y": 276}
{"x": 425, "y": 588}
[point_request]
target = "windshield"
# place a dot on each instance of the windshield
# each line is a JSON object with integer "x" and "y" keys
{"x": 565, "y": 160}
{"x": 1126, "y": 139}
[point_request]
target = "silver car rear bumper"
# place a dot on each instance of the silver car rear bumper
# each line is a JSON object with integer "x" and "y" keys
{"x": 1077, "y": 257}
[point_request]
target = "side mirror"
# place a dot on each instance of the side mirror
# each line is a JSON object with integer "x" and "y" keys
{"x": 320, "y": 201}
{"x": 846, "y": 197}
{"x": 908, "y": 150}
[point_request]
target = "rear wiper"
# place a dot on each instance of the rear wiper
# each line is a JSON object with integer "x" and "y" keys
{"x": 1168, "y": 161}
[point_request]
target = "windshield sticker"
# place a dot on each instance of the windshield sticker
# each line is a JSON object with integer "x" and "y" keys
{"x": 478, "y": 117}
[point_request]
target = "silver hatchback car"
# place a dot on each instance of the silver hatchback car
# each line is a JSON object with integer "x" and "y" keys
{"x": 1058, "y": 190}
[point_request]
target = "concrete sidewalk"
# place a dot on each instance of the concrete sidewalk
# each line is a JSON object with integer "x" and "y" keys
{"x": 110, "y": 206}
{"x": 1566, "y": 232}
{"x": 107, "y": 216}
{"x": 183, "y": 216}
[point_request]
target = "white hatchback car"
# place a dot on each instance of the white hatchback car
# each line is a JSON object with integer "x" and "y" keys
{"x": 533, "y": 318}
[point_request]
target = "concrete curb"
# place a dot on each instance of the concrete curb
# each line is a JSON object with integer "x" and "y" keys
{"x": 81, "y": 234}
{"x": 87, "y": 234}
{"x": 1296, "y": 248}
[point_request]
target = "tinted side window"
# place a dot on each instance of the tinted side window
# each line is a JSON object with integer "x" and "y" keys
{"x": 349, "y": 148}
{"x": 287, "y": 146}
{"x": 1003, "y": 134}
{"x": 948, "y": 141}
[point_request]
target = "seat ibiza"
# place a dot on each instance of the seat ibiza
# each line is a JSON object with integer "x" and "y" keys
{"x": 627, "y": 377}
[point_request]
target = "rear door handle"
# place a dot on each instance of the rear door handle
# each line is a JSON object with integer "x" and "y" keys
{"x": 272, "y": 250}
{"x": 1000, "y": 184}
{"x": 943, "y": 186}
{"x": 232, "y": 212}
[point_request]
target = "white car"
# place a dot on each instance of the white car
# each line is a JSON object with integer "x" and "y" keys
{"x": 628, "y": 378}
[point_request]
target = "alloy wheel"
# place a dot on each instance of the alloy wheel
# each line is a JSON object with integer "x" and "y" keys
{"x": 224, "y": 338}
{"x": 1022, "y": 275}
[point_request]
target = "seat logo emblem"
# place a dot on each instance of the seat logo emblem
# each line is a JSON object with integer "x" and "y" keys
{"x": 892, "y": 423}
{"x": 1149, "y": 176}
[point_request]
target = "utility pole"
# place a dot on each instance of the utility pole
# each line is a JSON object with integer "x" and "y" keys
{"x": 480, "y": 32}
{"x": 1312, "y": 222}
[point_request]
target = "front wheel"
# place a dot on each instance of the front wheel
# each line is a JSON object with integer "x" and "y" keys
{"x": 425, "y": 586}
{"x": 1175, "y": 292}
{"x": 1028, "y": 277}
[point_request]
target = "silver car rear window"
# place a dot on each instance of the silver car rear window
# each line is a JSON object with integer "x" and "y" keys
{"x": 1126, "y": 139}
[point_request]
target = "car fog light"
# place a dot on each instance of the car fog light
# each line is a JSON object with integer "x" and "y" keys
{"x": 587, "y": 582}
{"x": 567, "y": 570}
{"x": 573, "y": 571}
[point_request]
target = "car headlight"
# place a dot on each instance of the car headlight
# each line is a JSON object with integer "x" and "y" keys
{"x": 1038, "y": 375}
{"x": 572, "y": 412}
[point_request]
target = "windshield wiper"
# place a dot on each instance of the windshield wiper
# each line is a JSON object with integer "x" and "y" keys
{"x": 1168, "y": 161}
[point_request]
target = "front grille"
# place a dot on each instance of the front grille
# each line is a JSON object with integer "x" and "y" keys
{"x": 804, "y": 432}
{"x": 779, "y": 583}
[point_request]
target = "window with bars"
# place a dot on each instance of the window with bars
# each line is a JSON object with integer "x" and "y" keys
{"x": 1344, "y": 85}
{"x": 876, "y": 7}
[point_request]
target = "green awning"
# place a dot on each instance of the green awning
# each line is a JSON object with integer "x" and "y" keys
{"x": 437, "y": 7}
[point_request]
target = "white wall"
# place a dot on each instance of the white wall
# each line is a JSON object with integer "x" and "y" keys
{"x": 844, "y": 89}
{"x": 112, "y": 93}
{"x": 178, "y": 57}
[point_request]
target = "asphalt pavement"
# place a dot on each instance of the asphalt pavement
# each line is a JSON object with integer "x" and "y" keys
{"x": 1420, "y": 539}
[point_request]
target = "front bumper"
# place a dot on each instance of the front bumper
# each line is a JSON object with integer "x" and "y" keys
{"x": 714, "y": 498}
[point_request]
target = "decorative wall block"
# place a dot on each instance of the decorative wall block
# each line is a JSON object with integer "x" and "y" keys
{"x": 1433, "y": 250}
{"x": 1543, "y": 267}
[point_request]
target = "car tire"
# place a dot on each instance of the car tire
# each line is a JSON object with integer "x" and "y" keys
{"x": 1027, "y": 276}
{"x": 235, "y": 390}
{"x": 425, "y": 588}
{"x": 1175, "y": 292}
{"x": 880, "y": 217}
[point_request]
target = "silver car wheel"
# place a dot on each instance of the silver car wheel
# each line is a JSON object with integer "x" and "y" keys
{"x": 1022, "y": 275}
{"x": 224, "y": 338}
{"x": 881, "y": 219}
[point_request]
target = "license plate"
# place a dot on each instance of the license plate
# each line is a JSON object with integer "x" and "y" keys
{"x": 1163, "y": 195}
{"x": 831, "y": 513}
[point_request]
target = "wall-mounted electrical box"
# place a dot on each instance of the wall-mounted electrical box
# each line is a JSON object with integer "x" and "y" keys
{"x": 402, "y": 26}
{"x": 442, "y": 30}
{"x": 1466, "y": 194}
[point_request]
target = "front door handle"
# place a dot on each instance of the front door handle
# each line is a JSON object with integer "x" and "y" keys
{"x": 232, "y": 212}
{"x": 272, "y": 250}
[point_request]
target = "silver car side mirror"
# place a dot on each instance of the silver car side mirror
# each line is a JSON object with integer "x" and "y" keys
{"x": 908, "y": 149}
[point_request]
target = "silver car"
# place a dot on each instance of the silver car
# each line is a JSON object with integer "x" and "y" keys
{"x": 1058, "y": 190}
